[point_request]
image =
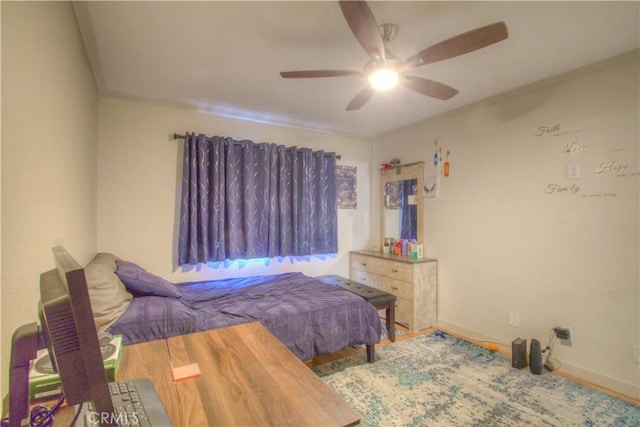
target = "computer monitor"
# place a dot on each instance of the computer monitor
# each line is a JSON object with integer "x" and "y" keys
{"x": 69, "y": 332}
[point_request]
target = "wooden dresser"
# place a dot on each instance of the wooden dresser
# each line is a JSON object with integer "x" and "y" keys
{"x": 414, "y": 282}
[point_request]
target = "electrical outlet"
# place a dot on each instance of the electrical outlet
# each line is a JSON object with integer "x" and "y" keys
{"x": 514, "y": 319}
{"x": 636, "y": 353}
{"x": 570, "y": 329}
{"x": 562, "y": 332}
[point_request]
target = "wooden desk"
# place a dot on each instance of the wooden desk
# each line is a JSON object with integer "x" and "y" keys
{"x": 248, "y": 378}
{"x": 251, "y": 378}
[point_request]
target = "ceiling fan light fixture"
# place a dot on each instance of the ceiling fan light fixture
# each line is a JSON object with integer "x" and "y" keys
{"x": 383, "y": 79}
{"x": 384, "y": 70}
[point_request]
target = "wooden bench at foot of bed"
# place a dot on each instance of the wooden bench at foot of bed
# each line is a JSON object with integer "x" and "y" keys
{"x": 378, "y": 298}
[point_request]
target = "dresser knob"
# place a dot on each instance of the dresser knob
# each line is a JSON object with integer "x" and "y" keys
{"x": 393, "y": 270}
{"x": 394, "y": 288}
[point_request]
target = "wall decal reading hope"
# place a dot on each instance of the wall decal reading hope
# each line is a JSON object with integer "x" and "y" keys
{"x": 611, "y": 166}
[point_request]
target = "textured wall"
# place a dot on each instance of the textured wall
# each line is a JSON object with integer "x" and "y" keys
{"x": 139, "y": 186}
{"x": 49, "y": 144}
{"x": 513, "y": 232}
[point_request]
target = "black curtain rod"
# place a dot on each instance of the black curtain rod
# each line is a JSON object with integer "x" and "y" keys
{"x": 178, "y": 136}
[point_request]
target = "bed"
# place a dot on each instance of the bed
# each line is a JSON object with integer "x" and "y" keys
{"x": 310, "y": 317}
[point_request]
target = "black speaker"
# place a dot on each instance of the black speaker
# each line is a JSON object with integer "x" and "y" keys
{"x": 535, "y": 357}
{"x": 519, "y": 353}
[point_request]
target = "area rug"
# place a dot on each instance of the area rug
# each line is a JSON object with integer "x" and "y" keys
{"x": 440, "y": 380}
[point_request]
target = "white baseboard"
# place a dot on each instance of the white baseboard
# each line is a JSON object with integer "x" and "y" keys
{"x": 605, "y": 381}
{"x": 580, "y": 373}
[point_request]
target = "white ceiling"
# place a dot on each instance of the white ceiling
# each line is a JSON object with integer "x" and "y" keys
{"x": 225, "y": 57}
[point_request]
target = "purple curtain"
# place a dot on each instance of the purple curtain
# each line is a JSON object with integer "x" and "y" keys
{"x": 243, "y": 200}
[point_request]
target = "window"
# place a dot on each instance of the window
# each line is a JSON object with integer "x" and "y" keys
{"x": 243, "y": 200}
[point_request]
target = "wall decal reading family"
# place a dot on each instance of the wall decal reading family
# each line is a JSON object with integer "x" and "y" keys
{"x": 557, "y": 188}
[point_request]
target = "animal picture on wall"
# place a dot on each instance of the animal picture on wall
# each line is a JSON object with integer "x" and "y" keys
{"x": 346, "y": 187}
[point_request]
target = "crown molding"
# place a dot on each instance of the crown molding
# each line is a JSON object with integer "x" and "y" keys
{"x": 85, "y": 26}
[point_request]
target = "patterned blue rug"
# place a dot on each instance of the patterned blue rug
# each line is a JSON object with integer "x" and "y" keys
{"x": 440, "y": 380}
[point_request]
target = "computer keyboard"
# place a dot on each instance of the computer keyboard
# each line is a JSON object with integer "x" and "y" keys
{"x": 135, "y": 402}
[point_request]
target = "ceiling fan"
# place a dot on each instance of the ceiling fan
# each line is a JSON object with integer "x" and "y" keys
{"x": 384, "y": 69}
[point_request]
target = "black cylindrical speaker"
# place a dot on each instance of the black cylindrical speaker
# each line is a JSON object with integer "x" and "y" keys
{"x": 535, "y": 357}
{"x": 519, "y": 353}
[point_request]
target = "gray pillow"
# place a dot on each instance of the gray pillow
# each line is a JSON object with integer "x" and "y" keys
{"x": 109, "y": 297}
{"x": 140, "y": 281}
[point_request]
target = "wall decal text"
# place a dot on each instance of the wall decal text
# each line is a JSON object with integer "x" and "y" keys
{"x": 557, "y": 188}
{"x": 611, "y": 166}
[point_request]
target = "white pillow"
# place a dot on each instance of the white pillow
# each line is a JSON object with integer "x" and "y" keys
{"x": 109, "y": 297}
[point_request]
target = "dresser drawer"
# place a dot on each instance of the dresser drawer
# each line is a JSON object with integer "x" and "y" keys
{"x": 397, "y": 287}
{"x": 364, "y": 263}
{"x": 396, "y": 270}
{"x": 366, "y": 278}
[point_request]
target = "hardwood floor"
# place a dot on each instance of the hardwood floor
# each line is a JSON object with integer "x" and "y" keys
{"x": 319, "y": 360}
{"x": 411, "y": 334}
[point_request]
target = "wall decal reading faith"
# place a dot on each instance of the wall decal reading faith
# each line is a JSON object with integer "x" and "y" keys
{"x": 554, "y": 130}
{"x": 556, "y": 189}
{"x": 546, "y": 130}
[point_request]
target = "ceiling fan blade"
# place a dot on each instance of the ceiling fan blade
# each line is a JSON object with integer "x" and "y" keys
{"x": 460, "y": 44}
{"x": 318, "y": 73}
{"x": 361, "y": 98}
{"x": 364, "y": 26}
{"x": 428, "y": 87}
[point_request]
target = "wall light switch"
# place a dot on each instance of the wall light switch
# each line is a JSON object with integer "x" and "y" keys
{"x": 514, "y": 319}
{"x": 573, "y": 171}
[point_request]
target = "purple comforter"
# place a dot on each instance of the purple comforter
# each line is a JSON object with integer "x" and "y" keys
{"x": 308, "y": 316}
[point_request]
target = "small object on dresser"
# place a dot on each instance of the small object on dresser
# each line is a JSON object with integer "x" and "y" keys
{"x": 419, "y": 250}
